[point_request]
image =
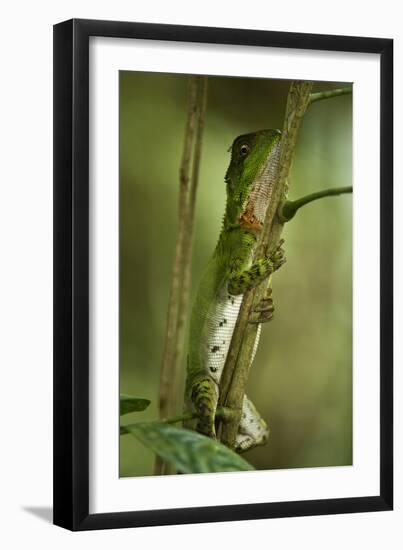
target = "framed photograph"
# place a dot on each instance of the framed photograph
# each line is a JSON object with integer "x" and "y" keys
{"x": 223, "y": 243}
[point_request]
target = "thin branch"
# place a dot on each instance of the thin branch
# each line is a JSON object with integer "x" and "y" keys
{"x": 237, "y": 366}
{"x": 180, "y": 418}
{"x": 289, "y": 208}
{"x": 188, "y": 238}
{"x": 318, "y": 96}
{"x": 173, "y": 305}
{"x": 222, "y": 412}
{"x": 174, "y": 331}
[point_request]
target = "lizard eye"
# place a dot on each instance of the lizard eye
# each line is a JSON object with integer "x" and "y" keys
{"x": 244, "y": 149}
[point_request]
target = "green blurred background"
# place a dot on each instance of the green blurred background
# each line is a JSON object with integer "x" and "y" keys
{"x": 301, "y": 380}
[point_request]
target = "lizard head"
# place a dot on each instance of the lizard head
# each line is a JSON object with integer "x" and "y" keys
{"x": 250, "y": 176}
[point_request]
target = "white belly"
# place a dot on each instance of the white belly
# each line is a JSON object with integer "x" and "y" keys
{"x": 220, "y": 327}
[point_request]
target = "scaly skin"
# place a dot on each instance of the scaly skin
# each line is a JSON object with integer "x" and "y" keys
{"x": 229, "y": 274}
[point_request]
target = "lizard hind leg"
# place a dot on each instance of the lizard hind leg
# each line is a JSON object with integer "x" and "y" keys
{"x": 253, "y": 430}
{"x": 205, "y": 399}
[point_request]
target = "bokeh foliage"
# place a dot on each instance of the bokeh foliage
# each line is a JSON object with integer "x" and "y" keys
{"x": 301, "y": 380}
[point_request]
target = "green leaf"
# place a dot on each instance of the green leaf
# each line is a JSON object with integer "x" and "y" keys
{"x": 188, "y": 451}
{"x": 130, "y": 404}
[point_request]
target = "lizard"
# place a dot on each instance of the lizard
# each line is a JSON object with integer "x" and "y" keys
{"x": 230, "y": 272}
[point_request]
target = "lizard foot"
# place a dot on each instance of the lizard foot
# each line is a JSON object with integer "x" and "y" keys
{"x": 263, "y": 312}
{"x": 278, "y": 256}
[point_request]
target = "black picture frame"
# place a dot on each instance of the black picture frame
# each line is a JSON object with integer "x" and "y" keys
{"x": 71, "y": 274}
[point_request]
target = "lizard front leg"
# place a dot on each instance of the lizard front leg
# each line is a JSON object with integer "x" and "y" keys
{"x": 263, "y": 312}
{"x": 239, "y": 283}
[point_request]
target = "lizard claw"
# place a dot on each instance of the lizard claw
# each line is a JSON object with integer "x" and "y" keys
{"x": 278, "y": 256}
{"x": 264, "y": 309}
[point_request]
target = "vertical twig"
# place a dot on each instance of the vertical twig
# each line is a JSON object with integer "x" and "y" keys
{"x": 236, "y": 369}
{"x": 188, "y": 240}
{"x": 179, "y": 292}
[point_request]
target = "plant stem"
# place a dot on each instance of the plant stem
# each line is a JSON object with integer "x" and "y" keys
{"x": 289, "y": 208}
{"x": 180, "y": 418}
{"x": 318, "y": 96}
{"x": 222, "y": 412}
{"x": 179, "y": 292}
{"x": 201, "y": 100}
{"x": 237, "y": 366}
{"x": 167, "y": 367}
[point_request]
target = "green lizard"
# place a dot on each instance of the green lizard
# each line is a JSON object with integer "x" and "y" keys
{"x": 229, "y": 274}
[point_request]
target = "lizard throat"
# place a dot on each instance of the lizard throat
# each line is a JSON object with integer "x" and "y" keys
{"x": 254, "y": 210}
{"x": 249, "y": 221}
